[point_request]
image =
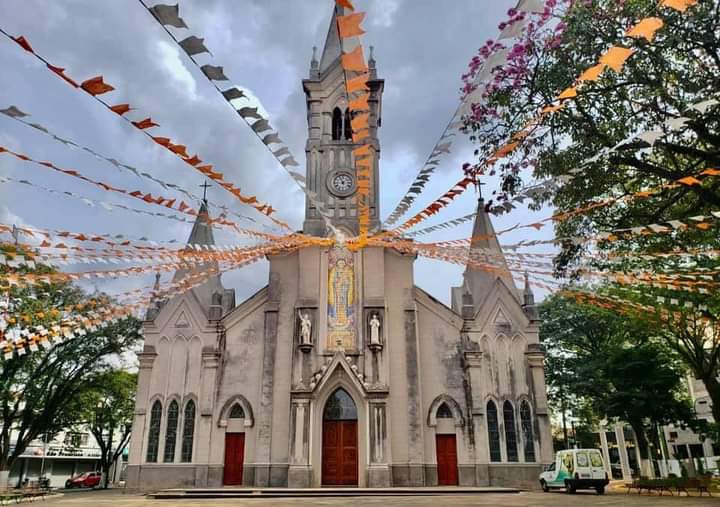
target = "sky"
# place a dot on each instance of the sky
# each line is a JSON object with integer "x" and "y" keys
{"x": 422, "y": 47}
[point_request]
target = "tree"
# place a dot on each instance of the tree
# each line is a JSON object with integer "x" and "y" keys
{"x": 619, "y": 369}
{"x": 663, "y": 87}
{"x": 107, "y": 408}
{"x": 39, "y": 390}
{"x": 659, "y": 83}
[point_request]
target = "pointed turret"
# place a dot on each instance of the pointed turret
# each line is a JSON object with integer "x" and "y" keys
{"x": 156, "y": 303}
{"x": 202, "y": 240}
{"x": 333, "y": 47}
{"x": 529, "y": 300}
{"x": 488, "y": 262}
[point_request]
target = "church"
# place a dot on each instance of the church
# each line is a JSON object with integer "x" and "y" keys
{"x": 341, "y": 371}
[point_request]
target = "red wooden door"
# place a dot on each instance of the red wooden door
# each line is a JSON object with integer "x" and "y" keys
{"x": 340, "y": 453}
{"x": 446, "y": 460}
{"x": 234, "y": 458}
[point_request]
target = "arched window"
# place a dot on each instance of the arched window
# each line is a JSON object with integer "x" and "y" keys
{"x": 527, "y": 432}
{"x": 171, "y": 432}
{"x": 444, "y": 412}
{"x": 154, "y": 432}
{"x": 348, "y": 125}
{"x": 188, "y": 432}
{"x": 237, "y": 412}
{"x": 340, "y": 407}
{"x": 337, "y": 124}
{"x": 493, "y": 432}
{"x": 510, "y": 434}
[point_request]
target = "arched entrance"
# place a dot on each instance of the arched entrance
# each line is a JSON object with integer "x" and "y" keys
{"x": 340, "y": 441}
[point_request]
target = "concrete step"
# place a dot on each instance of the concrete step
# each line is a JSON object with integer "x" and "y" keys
{"x": 234, "y": 492}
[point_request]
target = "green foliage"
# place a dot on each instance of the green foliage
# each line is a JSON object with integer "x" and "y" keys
{"x": 658, "y": 83}
{"x": 107, "y": 406}
{"x": 604, "y": 365}
{"x": 39, "y": 391}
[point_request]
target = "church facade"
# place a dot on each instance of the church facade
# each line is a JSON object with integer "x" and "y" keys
{"x": 341, "y": 371}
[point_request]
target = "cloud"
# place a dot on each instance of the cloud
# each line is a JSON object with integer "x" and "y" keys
{"x": 169, "y": 56}
{"x": 385, "y": 17}
{"x": 421, "y": 47}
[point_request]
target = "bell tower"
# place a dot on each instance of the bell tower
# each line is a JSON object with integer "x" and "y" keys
{"x": 330, "y": 166}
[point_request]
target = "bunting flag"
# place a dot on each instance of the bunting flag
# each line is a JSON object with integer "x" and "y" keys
{"x": 93, "y": 87}
{"x": 497, "y": 58}
{"x": 243, "y": 101}
{"x": 357, "y": 77}
{"x": 16, "y": 114}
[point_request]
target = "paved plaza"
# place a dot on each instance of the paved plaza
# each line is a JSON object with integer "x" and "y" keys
{"x": 117, "y": 498}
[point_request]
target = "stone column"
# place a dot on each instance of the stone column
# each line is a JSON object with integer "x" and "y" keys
{"x": 146, "y": 359}
{"x": 265, "y": 412}
{"x": 475, "y": 390}
{"x": 605, "y": 451}
{"x": 622, "y": 450}
{"x": 378, "y": 469}
{"x": 300, "y": 472}
{"x": 206, "y": 404}
{"x": 416, "y": 470}
{"x": 536, "y": 363}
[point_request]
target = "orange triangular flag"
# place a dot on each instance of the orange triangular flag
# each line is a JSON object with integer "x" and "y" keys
{"x": 615, "y": 57}
{"x": 360, "y": 103}
{"x": 360, "y": 122}
{"x": 205, "y": 169}
{"x": 358, "y": 83}
{"x": 678, "y": 5}
{"x": 711, "y": 172}
{"x": 61, "y": 72}
{"x": 349, "y": 26}
{"x": 689, "y": 180}
{"x": 22, "y": 41}
{"x": 145, "y": 124}
{"x": 120, "y": 109}
{"x": 359, "y": 136}
{"x": 96, "y": 86}
{"x": 646, "y": 28}
{"x": 592, "y": 73}
{"x": 362, "y": 151}
{"x": 568, "y": 93}
{"x": 345, "y": 3}
{"x": 354, "y": 60}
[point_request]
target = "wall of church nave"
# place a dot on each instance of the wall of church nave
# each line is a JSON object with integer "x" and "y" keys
{"x": 177, "y": 368}
{"x": 504, "y": 366}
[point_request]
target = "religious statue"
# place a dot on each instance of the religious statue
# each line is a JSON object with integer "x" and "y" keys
{"x": 305, "y": 329}
{"x": 341, "y": 299}
{"x": 375, "y": 330}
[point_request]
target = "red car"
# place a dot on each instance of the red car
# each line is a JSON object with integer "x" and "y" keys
{"x": 86, "y": 480}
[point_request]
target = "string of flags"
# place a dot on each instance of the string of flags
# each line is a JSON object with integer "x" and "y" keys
{"x": 357, "y": 89}
{"x": 513, "y": 29}
{"x": 14, "y": 113}
{"x": 244, "y": 102}
{"x": 96, "y": 86}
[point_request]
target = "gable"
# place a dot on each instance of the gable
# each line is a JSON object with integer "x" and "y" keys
{"x": 501, "y": 309}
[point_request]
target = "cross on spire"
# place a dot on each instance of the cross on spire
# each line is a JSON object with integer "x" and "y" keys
{"x": 205, "y": 186}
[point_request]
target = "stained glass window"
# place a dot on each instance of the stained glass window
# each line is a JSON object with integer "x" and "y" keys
{"x": 493, "y": 432}
{"x": 510, "y": 433}
{"x": 527, "y": 432}
{"x": 237, "y": 412}
{"x": 171, "y": 432}
{"x": 188, "y": 432}
{"x": 154, "y": 432}
{"x": 340, "y": 407}
{"x": 444, "y": 412}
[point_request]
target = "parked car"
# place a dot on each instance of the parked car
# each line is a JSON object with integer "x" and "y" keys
{"x": 576, "y": 469}
{"x": 86, "y": 480}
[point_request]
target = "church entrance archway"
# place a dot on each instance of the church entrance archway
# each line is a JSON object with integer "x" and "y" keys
{"x": 340, "y": 441}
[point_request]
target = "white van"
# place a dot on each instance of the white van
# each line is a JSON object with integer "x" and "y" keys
{"x": 576, "y": 469}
